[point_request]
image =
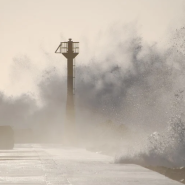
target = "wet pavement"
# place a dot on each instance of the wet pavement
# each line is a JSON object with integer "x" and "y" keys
{"x": 59, "y": 165}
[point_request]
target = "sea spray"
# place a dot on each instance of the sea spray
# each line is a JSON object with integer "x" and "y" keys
{"x": 132, "y": 83}
{"x": 160, "y": 149}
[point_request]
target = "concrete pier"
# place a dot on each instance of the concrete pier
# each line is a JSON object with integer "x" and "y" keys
{"x": 57, "y": 165}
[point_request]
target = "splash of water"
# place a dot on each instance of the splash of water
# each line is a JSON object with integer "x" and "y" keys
{"x": 133, "y": 84}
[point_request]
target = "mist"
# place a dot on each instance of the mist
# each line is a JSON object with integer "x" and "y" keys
{"x": 126, "y": 81}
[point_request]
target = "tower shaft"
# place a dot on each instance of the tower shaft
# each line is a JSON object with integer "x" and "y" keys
{"x": 70, "y": 110}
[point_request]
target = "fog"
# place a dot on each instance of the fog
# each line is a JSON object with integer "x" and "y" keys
{"x": 127, "y": 82}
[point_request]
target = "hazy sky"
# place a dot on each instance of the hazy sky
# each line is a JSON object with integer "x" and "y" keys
{"x": 31, "y": 30}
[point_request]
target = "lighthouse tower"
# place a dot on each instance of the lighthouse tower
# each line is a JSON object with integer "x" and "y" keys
{"x": 70, "y": 50}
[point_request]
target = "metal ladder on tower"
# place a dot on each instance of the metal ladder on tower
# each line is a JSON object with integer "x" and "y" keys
{"x": 74, "y": 77}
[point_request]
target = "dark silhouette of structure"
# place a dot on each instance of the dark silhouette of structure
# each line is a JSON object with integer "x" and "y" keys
{"x": 70, "y": 50}
{"x": 6, "y": 138}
